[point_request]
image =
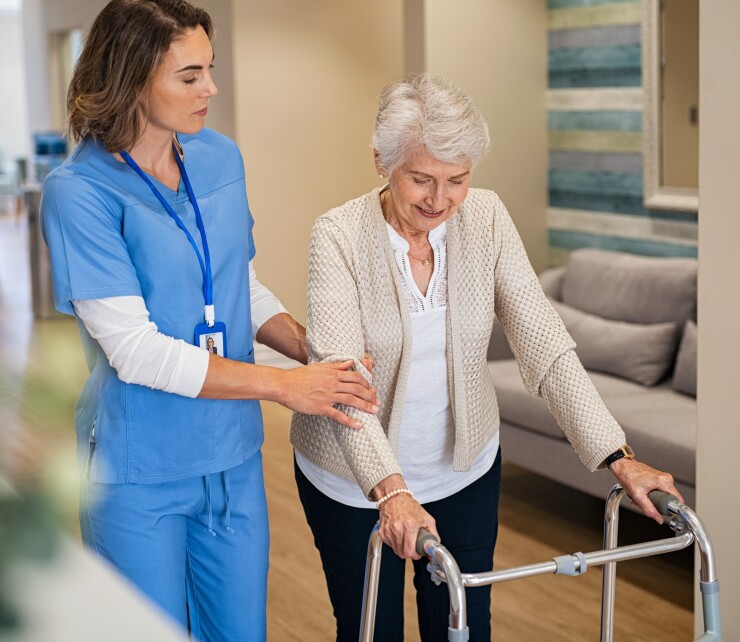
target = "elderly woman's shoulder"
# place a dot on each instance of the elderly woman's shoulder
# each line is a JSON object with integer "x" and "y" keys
{"x": 356, "y": 212}
{"x": 483, "y": 204}
{"x": 480, "y": 197}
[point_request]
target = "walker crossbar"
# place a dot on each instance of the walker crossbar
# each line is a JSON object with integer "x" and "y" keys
{"x": 442, "y": 566}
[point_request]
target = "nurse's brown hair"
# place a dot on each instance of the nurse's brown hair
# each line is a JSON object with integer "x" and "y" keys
{"x": 122, "y": 50}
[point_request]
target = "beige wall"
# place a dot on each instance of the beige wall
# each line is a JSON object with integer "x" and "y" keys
{"x": 307, "y": 77}
{"x": 718, "y": 447}
{"x": 497, "y": 51}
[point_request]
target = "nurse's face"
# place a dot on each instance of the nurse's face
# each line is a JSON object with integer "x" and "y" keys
{"x": 177, "y": 100}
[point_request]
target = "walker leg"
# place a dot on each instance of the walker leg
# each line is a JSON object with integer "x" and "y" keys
{"x": 608, "y": 582}
{"x": 370, "y": 592}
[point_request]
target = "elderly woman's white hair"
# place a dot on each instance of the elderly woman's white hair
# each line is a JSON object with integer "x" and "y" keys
{"x": 424, "y": 110}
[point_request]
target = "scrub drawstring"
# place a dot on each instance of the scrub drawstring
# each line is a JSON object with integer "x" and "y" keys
{"x": 227, "y": 497}
{"x": 227, "y": 500}
{"x": 210, "y": 508}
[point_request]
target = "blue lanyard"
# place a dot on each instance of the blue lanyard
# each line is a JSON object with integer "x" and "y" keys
{"x": 205, "y": 261}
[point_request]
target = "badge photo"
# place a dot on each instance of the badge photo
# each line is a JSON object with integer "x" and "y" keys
{"x": 211, "y": 338}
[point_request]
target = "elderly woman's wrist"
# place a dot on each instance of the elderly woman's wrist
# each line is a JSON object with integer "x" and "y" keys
{"x": 393, "y": 495}
{"x": 389, "y": 484}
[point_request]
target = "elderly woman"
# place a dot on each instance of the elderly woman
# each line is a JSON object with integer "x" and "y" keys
{"x": 414, "y": 273}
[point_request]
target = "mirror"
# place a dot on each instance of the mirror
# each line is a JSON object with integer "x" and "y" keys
{"x": 670, "y": 67}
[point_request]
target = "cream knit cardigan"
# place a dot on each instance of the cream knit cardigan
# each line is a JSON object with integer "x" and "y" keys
{"x": 356, "y": 304}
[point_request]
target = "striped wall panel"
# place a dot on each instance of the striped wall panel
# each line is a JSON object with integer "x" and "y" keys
{"x": 595, "y": 119}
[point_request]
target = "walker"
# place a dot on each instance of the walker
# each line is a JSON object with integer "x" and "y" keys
{"x": 443, "y": 568}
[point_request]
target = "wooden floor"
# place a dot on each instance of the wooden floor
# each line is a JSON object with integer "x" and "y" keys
{"x": 43, "y": 370}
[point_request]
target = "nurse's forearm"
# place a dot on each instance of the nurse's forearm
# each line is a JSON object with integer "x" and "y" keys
{"x": 312, "y": 389}
{"x": 284, "y": 334}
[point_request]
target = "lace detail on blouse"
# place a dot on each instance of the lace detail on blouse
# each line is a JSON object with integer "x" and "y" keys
{"x": 436, "y": 297}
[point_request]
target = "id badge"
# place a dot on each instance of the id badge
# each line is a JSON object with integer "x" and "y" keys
{"x": 211, "y": 338}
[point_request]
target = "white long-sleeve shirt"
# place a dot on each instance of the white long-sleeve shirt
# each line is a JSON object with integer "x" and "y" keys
{"x": 142, "y": 355}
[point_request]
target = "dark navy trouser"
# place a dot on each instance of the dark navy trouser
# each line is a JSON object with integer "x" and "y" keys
{"x": 467, "y": 523}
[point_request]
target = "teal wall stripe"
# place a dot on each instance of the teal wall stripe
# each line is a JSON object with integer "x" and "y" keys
{"x": 613, "y": 203}
{"x": 564, "y": 4}
{"x": 595, "y": 78}
{"x": 594, "y": 37}
{"x": 578, "y": 58}
{"x": 606, "y": 183}
{"x": 573, "y": 240}
{"x": 673, "y": 215}
{"x": 617, "y": 121}
{"x": 597, "y": 162}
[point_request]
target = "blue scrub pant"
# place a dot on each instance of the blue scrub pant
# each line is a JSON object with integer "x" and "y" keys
{"x": 467, "y": 523}
{"x": 197, "y": 547}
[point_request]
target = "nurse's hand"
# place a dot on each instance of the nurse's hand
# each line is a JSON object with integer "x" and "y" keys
{"x": 314, "y": 389}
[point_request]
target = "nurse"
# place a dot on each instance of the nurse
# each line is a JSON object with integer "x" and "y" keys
{"x": 150, "y": 236}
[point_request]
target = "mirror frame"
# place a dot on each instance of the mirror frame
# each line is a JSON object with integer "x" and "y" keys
{"x": 656, "y": 195}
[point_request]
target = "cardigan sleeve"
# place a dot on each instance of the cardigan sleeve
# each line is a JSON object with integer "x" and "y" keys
{"x": 545, "y": 351}
{"x": 535, "y": 331}
{"x": 334, "y": 332}
{"x": 580, "y": 412}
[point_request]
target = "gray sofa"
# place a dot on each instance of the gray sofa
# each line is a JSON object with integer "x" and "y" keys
{"x": 633, "y": 319}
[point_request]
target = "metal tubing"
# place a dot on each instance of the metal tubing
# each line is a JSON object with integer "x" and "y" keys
{"x": 458, "y": 605}
{"x": 458, "y": 626}
{"x": 608, "y": 580}
{"x": 595, "y": 558}
{"x": 370, "y": 592}
{"x": 708, "y": 570}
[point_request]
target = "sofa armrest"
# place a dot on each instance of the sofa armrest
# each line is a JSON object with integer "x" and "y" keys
{"x": 551, "y": 281}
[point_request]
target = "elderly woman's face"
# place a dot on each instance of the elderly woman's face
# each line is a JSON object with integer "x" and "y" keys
{"x": 425, "y": 192}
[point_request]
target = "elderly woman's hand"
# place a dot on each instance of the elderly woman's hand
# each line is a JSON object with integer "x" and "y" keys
{"x": 401, "y": 517}
{"x": 639, "y": 479}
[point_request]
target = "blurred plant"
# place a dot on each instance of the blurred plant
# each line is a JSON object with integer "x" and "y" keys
{"x": 29, "y": 514}
{"x": 28, "y": 530}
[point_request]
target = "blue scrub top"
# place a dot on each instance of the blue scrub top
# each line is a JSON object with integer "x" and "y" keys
{"x": 108, "y": 236}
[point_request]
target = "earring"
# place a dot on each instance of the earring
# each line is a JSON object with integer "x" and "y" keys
{"x": 381, "y": 176}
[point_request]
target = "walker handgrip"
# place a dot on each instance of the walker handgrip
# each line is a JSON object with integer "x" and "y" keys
{"x": 422, "y": 538}
{"x": 661, "y": 500}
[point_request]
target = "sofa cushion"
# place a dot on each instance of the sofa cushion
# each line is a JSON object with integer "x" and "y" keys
{"x": 643, "y": 353}
{"x": 632, "y": 288}
{"x": 516, "y": 405}
{"x": 684, "y": 376}
{"x": 660, "y": 423}
{"x": 660, "y": 426}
